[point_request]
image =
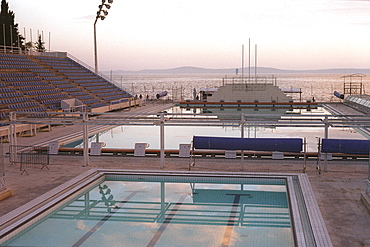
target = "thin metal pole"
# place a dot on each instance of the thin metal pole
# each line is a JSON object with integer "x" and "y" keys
{"x": 86, "y": 139}
{"x": 242, "y": 63}
{"x": 162, "y": 139}
{"x": 255, "y": 63}
{"x": 326, "y": 131}
{"x": 4, "y": 38}
{"x": 11, "y": 38}
{"x": 249, "y": 69}
{"x": 95, "y": 48}
{"x": 242, "y": 136}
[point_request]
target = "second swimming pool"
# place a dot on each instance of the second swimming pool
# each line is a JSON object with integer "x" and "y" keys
{"x": 142, "y": 209}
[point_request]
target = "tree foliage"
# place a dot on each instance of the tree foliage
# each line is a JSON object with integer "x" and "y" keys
{"x": 8, "y": 28}
{"x": 39, "y": 45}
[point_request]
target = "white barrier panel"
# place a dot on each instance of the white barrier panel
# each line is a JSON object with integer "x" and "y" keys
{"x": 230, "y": 154}
{"x": 329, "y": 156}
{"x": 184, "y": 150}
{"x": 96, "y": 148}
{"x": 53, "y": 147}
{"x": 140, "y": 149}
{"x": 277, "y": 155}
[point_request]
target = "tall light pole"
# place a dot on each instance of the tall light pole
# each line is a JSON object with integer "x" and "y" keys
{"x": 101, "y": 14}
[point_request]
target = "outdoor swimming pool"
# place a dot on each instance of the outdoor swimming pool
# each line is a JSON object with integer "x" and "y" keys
{"x": 125, "y": 208}
{"x": 126, "y": 136}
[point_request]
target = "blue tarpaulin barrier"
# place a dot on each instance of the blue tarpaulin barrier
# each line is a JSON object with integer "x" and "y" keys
{"x": 347, "y": 146}
{"x": 256, "y": 144}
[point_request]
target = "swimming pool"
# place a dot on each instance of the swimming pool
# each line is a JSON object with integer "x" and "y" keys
{"x": 141, "y": 208}
{"x": 125, "y": 137}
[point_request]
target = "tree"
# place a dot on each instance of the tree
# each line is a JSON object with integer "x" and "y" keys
{"x": 12, "y": 36}
{"x": 29, "y": 46}
{"x": 39, "y": 45}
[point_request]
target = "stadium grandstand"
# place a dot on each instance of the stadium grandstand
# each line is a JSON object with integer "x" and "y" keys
{"x": 39, "y": 83}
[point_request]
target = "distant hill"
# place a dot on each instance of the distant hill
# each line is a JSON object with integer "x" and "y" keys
{"x": 260, "y": 70}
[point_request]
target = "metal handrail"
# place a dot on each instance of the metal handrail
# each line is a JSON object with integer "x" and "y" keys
{"x": 88, "y": 67}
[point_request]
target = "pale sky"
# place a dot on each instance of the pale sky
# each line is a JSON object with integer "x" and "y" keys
{"x": 159, "y": 34}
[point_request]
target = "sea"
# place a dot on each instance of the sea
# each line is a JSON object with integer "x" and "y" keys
{"x": 180, "y": 86}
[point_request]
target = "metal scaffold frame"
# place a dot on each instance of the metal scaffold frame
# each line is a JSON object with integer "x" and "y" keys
{"x": 163, "y": 120}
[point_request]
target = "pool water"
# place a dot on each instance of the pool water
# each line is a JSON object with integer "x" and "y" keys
{"x": 140, "y": 210}
{"x": 125, "y": 137}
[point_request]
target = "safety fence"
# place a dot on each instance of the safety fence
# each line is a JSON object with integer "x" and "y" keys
{"x": 29, "y": 157}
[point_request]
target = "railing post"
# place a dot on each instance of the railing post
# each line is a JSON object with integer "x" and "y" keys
{"x": 85, "y": 138}
{"x": 162, "y": 139}
{"x": 242, "y": 136}
{"x": 326, "y": 122}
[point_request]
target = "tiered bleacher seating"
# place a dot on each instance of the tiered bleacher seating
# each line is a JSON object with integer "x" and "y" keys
{"x": 13, "y": 100}
{"x": 30, "y": 83}
{"x": 13, "y": 61}
{"x": 87, "y": 80}
{"x": 6, "y": 90}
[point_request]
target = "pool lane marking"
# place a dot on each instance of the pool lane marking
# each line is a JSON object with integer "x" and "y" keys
{"x": 165, "y": 223}
{"x": 105, "y": 219}
{"x": 231, "y": 221}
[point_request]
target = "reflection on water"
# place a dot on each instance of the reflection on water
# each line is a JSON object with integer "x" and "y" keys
{"x": 152, "y": 212}
{"x": 127, "y": 136}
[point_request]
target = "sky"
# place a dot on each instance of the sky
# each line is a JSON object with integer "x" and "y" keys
{"x": 161, "y": 34}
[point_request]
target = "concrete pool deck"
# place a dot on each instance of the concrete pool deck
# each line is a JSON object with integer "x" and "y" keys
{"x": 337, "y": 192}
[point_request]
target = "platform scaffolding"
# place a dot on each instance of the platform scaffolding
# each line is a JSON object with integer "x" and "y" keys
{"x": 353, "y": 84}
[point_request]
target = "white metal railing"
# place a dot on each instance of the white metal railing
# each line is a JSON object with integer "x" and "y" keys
{"x": 11, "y": 50}
{"x": 250, "y": 80}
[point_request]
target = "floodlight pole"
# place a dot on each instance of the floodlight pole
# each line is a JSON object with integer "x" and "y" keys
{"x": 101, "y": 14}
{"x": 95, "y": 47}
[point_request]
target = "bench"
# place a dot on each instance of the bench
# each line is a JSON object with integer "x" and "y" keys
{"x": 292, "y": 145}
{"x": 341, "y": 146}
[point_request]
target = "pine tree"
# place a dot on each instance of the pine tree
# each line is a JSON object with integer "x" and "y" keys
{"x": 12, "y": 36}
{"x": 39, "y": 45}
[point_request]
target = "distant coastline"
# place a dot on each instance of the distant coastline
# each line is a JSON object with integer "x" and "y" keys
{"x": 260, "y": 70}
